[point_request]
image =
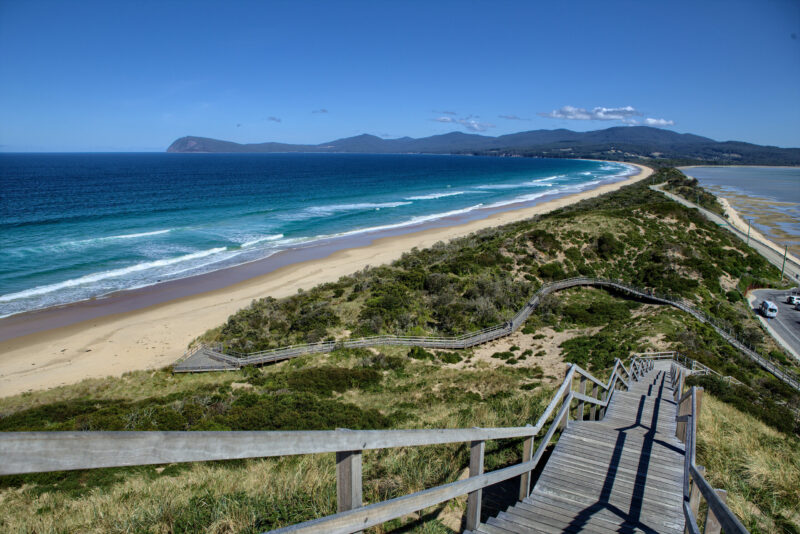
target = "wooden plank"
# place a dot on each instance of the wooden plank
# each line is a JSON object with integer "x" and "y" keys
{"x": 624, "y": 475}
{"x": 569, "y": 508}
{"x": 626, "y": 460}
{"x": 36, "y": 452}
{"x": 476, "y": 452}
{"x": 550, "y": 522}
{"x": 348, "y": 480}
{"x": 556, "y": 517}
{"x": 713, "y": 526}
{"x": 374, "y": 514}
{"x": 648, "y": 508}
{"x": 593, "y": 486}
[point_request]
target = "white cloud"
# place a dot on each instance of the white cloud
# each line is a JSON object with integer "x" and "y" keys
{"x": 595, "y": 114}
{"x": 658, "y": 122}
{"x": 469, "y": 122}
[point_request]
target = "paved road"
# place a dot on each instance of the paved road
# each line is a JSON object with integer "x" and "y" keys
{"x": 786, "y": 325}
{"x": 792, "y": 269}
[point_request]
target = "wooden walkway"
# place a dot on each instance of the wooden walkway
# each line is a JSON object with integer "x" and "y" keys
{"x": 621, "y": 474}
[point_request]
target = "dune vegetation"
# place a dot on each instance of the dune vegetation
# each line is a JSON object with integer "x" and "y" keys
{"x": 758, "y": 466}
{"x": 635, "y": 235}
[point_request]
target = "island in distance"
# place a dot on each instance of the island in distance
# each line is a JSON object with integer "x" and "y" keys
{"x": 627, "y": 143}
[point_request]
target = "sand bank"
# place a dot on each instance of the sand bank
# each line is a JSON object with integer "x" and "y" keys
{"x": 736, "y": 220}
{"x": 157, "y": 335}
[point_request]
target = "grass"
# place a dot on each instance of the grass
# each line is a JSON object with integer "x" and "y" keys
{"x": 758, "y": 466}
{"x": 633, "y": 234}
{"x": 351, "y": 389}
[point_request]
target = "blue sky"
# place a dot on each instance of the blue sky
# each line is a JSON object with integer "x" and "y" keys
{"x": 85, "y": 76}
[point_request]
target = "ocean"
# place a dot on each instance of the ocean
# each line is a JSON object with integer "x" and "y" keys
{"x": 770, "y": 196}
{"x": 80, "y": 226}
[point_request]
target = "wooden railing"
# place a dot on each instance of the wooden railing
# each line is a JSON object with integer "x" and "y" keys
{"x": 719, "y": 516}
{"x": 237, "y": 359}
{"x": 695, "y": 367}
{"x": 33, "y": 452}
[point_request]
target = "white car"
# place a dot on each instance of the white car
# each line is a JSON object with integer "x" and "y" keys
{"x": 793, "y": 299}
{"x": 768, "y": 309}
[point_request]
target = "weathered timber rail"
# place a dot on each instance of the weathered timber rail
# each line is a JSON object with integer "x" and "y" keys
{"x": 632, "y": 470}
{"x": 581, "y": 400}
{"x": 719, "y": 517}
{"x": 34, "y": 452}
{"x": 695, "y": 367}
{"x": 217, "y": 357}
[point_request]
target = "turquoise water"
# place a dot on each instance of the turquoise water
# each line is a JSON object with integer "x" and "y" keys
{"x": 77, "y": 226}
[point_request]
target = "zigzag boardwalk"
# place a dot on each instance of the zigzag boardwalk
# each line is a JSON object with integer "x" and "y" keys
{"x": 623, "y": 473}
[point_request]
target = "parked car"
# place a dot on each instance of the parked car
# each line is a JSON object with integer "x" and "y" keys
{"x": 768, "y": 309}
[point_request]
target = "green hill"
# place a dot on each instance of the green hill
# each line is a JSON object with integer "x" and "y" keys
{"x": 634, "y": 143}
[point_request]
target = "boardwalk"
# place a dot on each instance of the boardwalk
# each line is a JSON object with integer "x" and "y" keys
{"x": 621, "y": 474}
{"x": 217, "y": 358}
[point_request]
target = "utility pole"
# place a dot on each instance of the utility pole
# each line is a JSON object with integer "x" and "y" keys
{"x": 785, "y": 250}
{"x": 748, "y": 231}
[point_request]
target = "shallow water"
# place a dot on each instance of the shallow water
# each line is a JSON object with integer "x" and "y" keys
{"x": 770, "y": 196}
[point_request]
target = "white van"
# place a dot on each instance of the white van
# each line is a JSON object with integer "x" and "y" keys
{"x": 769, "y": 309}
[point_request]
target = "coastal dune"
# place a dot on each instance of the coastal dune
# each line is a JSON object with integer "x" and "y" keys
{"x": 157, "y": 335}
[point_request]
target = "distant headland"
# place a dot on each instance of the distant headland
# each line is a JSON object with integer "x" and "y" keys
{"x": 626, "y": 143}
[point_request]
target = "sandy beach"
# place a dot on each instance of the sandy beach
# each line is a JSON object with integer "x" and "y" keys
{"x": 157, "y": 335}
{"x": 737, "y": 221}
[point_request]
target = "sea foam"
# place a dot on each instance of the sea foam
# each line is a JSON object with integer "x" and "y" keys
{"x": 96, "y": 277}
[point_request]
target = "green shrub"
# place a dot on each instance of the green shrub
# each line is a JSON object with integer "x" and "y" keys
{"x": 325, "y": 380}
{"x": 449, "y": 357}
{"x": 418, "y": 353}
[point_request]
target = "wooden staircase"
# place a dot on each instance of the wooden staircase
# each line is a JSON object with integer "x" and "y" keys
{"x": 623, "y": 473}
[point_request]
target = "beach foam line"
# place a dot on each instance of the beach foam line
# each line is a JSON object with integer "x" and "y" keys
{"x": 539, "y": 182}
{"x": 115, "y": 273}
{"x": 256, "y": 241}
{"x": 140, "y": 234}
{"x": 434, "y": 196}
{"x": 92, "y": 240}
{"x": 327, "y": 211}
{"x": 522, "y": 198}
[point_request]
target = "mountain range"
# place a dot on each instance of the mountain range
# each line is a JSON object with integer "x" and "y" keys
{"x": 629, "y": 143}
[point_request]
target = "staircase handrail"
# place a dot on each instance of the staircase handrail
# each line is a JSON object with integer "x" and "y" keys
{"x": 694, "y": 483}
{"x": 31, "y": 452}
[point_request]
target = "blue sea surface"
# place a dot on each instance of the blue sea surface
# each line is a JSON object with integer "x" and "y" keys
{"x": 78, "y": 226}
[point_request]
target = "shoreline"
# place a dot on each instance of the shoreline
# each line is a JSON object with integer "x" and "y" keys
{"x": 739, "y": 223}
{"x": 151, "y": 327}
{"x": 734, "y": 217}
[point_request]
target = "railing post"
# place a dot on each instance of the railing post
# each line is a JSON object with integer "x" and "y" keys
{"x": 698, "y": 394}
{"x": 593, "y": 409}
{"x": 565, "y": 420}
{"x": 525, "y": 478}
{"x": 694, "y": 495}
{"x": 602, "y": 409}
{"x": 713, "y": 525}
{"x": 476, "y": 449}
{"x": 582, "y": 391}
{"x": 684, "y": 408}
{"x": 348, "y": 480}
